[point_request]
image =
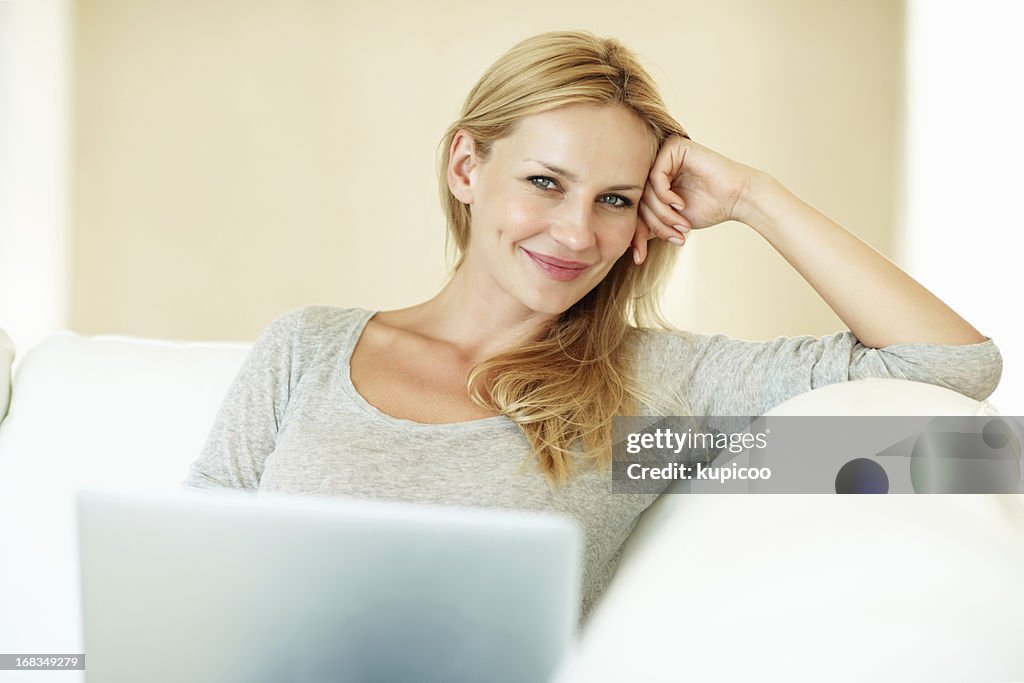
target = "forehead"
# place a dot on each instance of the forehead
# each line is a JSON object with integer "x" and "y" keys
{"x": 593, "y": 142}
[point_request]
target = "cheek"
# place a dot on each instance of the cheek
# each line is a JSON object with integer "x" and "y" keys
{"x": 618, "y": 233}
{"x": 501, "y": 219}
{"x": 615, "y": 239}
{"x": 523, "y": 216}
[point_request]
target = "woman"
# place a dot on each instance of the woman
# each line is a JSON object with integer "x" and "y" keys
{"x": 568, "y": 189}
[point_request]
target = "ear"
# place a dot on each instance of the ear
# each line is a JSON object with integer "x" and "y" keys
{"x": 462, "y": 165}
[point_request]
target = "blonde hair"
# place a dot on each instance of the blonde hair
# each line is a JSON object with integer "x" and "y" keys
{"x": 564, "y": 387}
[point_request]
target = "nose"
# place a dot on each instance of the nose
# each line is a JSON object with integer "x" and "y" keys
{"x": 574, "y": 225}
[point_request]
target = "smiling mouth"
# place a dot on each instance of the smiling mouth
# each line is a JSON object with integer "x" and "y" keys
{"x": 555, "y": 268}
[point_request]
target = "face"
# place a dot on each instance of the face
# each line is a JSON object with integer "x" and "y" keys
{"x": 554, "y": 206}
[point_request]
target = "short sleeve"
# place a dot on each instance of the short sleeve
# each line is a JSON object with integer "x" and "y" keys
{"x": 727, "y": 376}
{"x": 245, "y": 430}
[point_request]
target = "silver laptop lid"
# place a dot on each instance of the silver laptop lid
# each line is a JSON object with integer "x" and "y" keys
{"x": 198, "y": 586}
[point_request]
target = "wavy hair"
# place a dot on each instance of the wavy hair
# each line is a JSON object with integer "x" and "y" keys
{"x": 564, "y": 387}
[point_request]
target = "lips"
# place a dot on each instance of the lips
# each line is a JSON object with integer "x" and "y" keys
{"x": 556, "y": 268}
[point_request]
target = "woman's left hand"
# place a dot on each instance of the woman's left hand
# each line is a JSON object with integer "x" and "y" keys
{"x": 880, "y": 303}
{"x": 689, "y": 187}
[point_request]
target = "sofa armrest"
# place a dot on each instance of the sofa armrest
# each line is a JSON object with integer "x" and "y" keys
{"x": 864, "y": 397}
{"x": 741, "y": 587}
{"x": 6, "y": 358}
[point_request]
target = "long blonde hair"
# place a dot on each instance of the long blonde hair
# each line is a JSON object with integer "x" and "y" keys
{"x": 564, "y": 387}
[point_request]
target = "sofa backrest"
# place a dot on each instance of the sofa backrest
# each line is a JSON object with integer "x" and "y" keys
{"x": 90, "y": 411}
{"x": 112, "y": 409}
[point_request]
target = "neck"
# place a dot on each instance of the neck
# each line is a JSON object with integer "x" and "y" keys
{"x": 474, "y": 318}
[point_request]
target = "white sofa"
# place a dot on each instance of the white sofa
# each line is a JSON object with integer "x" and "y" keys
{"x": 710, "y": 587}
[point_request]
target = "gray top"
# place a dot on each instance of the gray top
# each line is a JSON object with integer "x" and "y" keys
{"x": 292, "y": 421}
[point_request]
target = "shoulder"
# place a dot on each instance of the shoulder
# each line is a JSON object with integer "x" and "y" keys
{"x": 654, "y": 340}
{"x": 677, "y": 353}
{"x": 662, "y": 355}
{"x": 308, "y": 322}
{"x": 315, "y": 318}
{"x": 656, "y": 346}
{"x": 304, "y": 338}
{"x": 302, "y": 332}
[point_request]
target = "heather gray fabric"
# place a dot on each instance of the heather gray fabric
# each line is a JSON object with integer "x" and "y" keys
{"x": 293, "y": 423}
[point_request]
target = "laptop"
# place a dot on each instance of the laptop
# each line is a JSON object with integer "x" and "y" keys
{"x": 191, "y": 585}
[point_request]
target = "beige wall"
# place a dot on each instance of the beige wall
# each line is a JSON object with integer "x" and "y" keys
{"x": 233, "y": 160}
{"x": 34, "y": 73}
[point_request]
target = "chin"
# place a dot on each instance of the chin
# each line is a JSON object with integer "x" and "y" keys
{"x": 554, "y": 306}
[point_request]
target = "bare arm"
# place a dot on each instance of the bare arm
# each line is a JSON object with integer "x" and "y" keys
{"x": 880, "y": 303}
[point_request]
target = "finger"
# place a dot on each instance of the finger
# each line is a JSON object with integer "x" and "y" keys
{"x": 664, "y": 228}
{"x": 667, "y": 167}
{"x": 666, "y": 214}
{"x": 639, "y": 241}
{"x": 650, "y": 219}
{"x": 669, "y": 206}
{"x": 659, "y": 229}
{"x": 661, "y": 184}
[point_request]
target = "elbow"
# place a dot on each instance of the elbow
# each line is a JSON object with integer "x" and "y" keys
{"x": 990, "y": 371}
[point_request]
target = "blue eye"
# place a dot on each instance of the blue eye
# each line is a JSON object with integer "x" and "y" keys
{"x": 533, "y": 180}
{"x": 544, "y": 183}
{"x": 623, "y": 203}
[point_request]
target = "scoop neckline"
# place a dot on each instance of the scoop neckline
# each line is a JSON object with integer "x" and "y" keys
{"x": 354, "y": 335}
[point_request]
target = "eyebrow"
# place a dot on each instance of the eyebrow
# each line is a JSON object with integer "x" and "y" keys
{"x": 572, "y": 178}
